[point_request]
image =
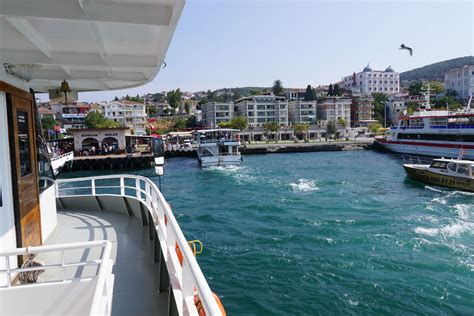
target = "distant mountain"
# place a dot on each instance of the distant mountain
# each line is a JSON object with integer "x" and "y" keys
{"x": 436, "y": 71}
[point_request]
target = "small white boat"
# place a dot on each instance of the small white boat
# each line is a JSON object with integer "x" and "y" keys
{"x": 218, "y": 147}
{"x": 453, "y": 173}
{"x": 59, "y": 161}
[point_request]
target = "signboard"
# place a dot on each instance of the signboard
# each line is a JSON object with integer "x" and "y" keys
{"x": 74, "y": 115}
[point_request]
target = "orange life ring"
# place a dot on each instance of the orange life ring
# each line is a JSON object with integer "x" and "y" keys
{"x": 200, "y": 308}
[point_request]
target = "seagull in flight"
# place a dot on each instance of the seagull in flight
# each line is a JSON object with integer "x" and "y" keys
{"x": 403, "y": 46}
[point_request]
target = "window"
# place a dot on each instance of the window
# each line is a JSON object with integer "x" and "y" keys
{"x": 463, "y": 169}
{"x": 24, "y": 142}
{"x": 250, "y": 107}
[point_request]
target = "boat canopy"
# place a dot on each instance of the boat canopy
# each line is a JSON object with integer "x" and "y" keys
{"x": 218, "y": 130}
{"x": 460, "y": 161}
{"x": 94, "y": 45}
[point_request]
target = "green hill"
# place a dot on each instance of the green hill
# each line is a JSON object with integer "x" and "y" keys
{"x": 436, "y": 71}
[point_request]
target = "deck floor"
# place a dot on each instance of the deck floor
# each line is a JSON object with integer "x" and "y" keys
{"x": 136, "y": 274}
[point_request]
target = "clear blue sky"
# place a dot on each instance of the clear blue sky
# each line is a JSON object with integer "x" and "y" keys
{"x": 234, "y": 43}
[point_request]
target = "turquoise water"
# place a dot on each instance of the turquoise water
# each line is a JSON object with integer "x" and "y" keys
{"x": 326, "y": 233}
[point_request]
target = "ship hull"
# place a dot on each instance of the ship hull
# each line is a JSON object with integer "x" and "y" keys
{"x": 429, "y": 149}
{"x": 426, "y": 176}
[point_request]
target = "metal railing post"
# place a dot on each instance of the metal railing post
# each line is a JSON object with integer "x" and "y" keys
{"x": 93, "y": 186}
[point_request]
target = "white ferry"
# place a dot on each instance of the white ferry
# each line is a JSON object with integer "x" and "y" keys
{"x": 96, "y": 245}
{"x": 218, "y": 147}
{"x": 433, "y": 133}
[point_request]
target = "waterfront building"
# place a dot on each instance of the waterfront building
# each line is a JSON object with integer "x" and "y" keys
{"x": 127, "y": 113}
{"x": 213, "y": 113}
{"x": 295, "y": 94}
{"x": 368, "y": 81}
{"x": 71, "y": 115}
{"x": 362, "y": 111}
{"x": 460, "y": 80}
{"x": 260, "y": 109}
{"x": 98, "y": 138}
{"x": 335, "y": 109}
{"x": 395, "y": 108}
{"x": 302, "y": 112}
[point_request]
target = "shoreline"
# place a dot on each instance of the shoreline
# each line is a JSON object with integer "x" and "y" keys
{"x": 271, "y": 148}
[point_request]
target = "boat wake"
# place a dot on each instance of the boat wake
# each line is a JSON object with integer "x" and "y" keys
{"x": 304, "y": 185}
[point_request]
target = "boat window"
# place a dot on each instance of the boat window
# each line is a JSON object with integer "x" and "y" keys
{"x": 452, "y": 167}
{"x": 463, "y": 169}
{"x": 439, "y": 164}
{"x": 24, "y": 142}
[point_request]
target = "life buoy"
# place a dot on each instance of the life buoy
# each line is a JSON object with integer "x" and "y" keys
{"x": 200, "y": 308}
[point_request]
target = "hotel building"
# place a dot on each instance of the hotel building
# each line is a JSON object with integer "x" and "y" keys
{"x": 369, "y": 81}
{"x": 461, "y": 80}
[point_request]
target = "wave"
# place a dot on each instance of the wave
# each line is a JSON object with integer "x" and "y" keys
{"x": 463, "y": 210}
{"x": 304, "y": 185}
{"x": 434, "y": 189}
{"x": 451, "y": 230}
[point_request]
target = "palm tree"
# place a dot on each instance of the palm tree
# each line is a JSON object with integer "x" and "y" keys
{"x": 301, "y": 130}
{"x": 271, "y": 128}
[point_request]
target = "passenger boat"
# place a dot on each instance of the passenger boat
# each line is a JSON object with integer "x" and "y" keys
{"x": 433, "y": 133}
{"x": 453, "y": 173}
{"x": 218, "y": 147}
{"x": 97, "y": 245}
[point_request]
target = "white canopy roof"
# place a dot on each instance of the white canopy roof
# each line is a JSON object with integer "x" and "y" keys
{"x": 93, "y": 44}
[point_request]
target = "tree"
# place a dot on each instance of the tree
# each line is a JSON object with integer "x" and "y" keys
{"x": 272, "y": 128}
{"x": 187, "y": 108}
{"x": 224, "y": 125}
{"x": 451, "y": 93}
{"x": 331, "y": 128}
{"x": 277, "y": 87}
{"x": 300, "y": 130}
{"x": 116, "y": 99}
{"x": 436, "y": 86}
{"x": 151, "y": 110}
{"x": 309, "y": 95}
{"x": 415, "y": 88}
{"x": 379, "y": 102}
{"x": 342, "y": 121}
{"x": 174, "y": 97}
{"x": 375, "y": 128}
{"x": 337, "y": 90}
{"x": 239, "y": 122}
{"x": 179, "y": 123}
{"x": 330, "y": 90}
{"x": 97, "y": 120}
{"x": 48, "y": 123}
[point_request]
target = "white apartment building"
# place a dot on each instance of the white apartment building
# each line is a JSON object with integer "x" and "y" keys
{"x": 302, "y": 112}
{"x": 213, "y": 113}
{"x": 369, "y": 81}
{"x": 335, "y": 109}
{"x": 260, "y": 109}
{"x": 460, "y": 80}
{"x": 127, "y": 113}
{"x": 395, "y": 108}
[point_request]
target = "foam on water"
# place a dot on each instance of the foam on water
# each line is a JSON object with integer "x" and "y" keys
{"x": 451, "y": 230}
{"x": 304, "y": 185}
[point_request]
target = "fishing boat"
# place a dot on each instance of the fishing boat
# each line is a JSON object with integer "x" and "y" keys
{"x": 96, "y": 245}
{"x": 218, "y": 147}
{"x": 433, "y": 133}
{"x": 453, "y": 173}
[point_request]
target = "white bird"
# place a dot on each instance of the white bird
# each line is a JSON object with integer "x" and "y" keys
{"x": 403, "y": 46}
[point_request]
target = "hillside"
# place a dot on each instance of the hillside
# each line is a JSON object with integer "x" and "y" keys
{"x": 436, "y": 71}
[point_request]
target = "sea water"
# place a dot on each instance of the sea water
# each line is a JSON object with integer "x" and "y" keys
{"x": 326, "y": 233}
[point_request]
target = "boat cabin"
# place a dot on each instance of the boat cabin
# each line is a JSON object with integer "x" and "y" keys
{"x": 454, "y": 167}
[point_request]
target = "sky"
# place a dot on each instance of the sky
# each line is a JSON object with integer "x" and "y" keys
{"x": 230, "y": 43}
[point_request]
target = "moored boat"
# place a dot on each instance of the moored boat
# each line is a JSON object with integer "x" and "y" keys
{"x": 218, "y": 147}
{"x": 453, "y": 173}
{"x": 433, "y": 133}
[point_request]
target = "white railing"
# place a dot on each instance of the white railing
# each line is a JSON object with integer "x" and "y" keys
{"x": 185, "y": 278}
{"x": 104, "y": 263}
